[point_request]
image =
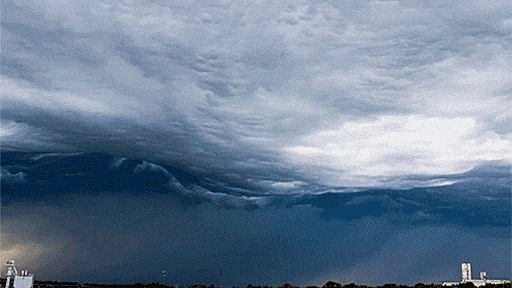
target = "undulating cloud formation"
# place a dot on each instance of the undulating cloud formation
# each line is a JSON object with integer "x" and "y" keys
{"x": 101, "y": 218}
{"x": 280, "y": 141}
{"x": 404, "y": 87}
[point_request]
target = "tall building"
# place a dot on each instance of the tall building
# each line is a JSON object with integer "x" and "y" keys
{"x": 466, "y": 272}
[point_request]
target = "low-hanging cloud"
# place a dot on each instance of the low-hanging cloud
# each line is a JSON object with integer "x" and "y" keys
{"x": 78, "y": 215}
{"x": 79, "y": 237}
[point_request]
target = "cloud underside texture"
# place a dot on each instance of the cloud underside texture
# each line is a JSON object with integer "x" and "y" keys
{"x": 337, "y": 93}
{"x": 101, "y": 218}
{"x": 220, "y": 109}
{"x": 110, "y": 239}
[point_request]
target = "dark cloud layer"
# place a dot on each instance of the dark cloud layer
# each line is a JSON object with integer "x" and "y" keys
{"x": 279, "y": 141}
{"x": 95, "y": 217}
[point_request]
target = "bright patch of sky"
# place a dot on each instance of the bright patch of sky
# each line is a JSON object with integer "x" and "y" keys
{"x": 397, "y": 146}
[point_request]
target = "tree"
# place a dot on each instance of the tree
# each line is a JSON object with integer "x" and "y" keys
{"x": 351, "y": 285}
{"x": 332, "y": 284}
{"x": 466, "y": 285}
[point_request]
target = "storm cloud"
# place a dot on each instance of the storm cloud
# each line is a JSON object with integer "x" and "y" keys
{"x": 279, "y": 141}
{"x": 238, "y": 88}
{"x": 102, "y": 218}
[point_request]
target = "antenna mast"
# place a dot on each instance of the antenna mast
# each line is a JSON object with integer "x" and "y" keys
{"x": 220, "y": 278}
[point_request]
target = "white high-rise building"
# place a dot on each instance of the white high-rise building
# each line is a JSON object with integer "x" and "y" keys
{"x": 466, "y": 272}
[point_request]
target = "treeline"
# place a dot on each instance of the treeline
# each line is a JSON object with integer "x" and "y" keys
{"x": 330, "y": 284}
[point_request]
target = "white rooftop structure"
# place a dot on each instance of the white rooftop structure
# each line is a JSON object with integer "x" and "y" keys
{"x": 466, "y": 278}
{"x": 17, "y": 280}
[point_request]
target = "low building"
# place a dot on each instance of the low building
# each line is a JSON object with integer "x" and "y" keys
{"x": 17, "y": 280}
{"x": 466, "y": 278}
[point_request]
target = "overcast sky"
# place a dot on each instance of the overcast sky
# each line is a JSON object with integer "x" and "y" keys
{"x": 240, "y": 107}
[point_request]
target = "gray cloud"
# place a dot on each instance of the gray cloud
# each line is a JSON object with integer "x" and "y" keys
{"x": 78, "y": 215}
{"x": 236, "y": 119}
{"x": 16, "y": 177}
{"x": 228, "y": 84}
{"x": 80, "y": 237}
{"x": 150, "y": 166}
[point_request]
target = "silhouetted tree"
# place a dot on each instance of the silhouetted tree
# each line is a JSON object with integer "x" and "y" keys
{"x": 331, "y": 284}
{"x": 466, "y": 285}
{"x": 288, "y": 285}
{"x": 351, "y": 285}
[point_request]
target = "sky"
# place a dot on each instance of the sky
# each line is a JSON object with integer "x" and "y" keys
{"x": 275, "y": 141}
